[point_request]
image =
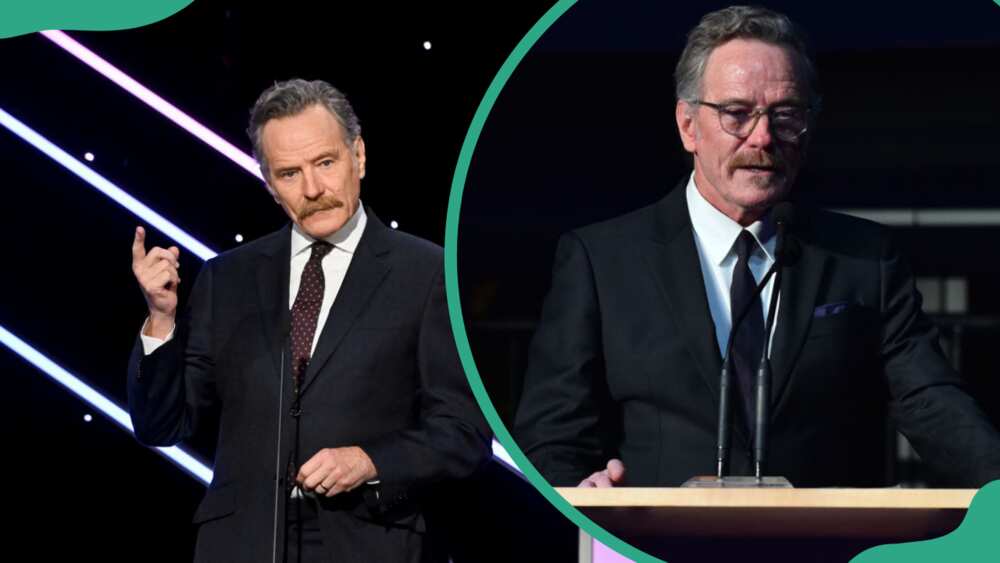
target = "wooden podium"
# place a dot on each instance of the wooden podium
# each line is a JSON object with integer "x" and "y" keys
{"x": 682, "y": 524}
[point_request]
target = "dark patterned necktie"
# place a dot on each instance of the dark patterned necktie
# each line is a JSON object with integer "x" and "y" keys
{"x": 749, "y": 339}
{"x": 305, "y": 310}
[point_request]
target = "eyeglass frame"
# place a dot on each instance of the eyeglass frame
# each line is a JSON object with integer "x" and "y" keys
{"x": 755, "y": 114}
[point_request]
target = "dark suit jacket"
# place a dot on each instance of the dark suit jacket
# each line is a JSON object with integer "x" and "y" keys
{"x": 385, "y": 376}
{"x": 625, "y": 361}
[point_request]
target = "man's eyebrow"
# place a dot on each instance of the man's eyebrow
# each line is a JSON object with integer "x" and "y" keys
{"x": 332, "y": 153}
{"x": 734, "y": 102}
{"x": 278, "y": 169}
{"x": 789, "y": 101}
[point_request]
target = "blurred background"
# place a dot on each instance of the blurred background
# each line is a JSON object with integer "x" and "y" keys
{"x": 585, "y": 131}
{"x": 82, "y": 488}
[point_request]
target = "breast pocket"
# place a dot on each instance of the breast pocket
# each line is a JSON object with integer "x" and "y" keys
{"x": 851, "y": 319}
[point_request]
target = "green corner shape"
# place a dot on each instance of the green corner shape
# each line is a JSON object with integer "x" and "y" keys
{"x": 974, "y": 541}
{"x": 20, "y": 17}
{"x": 455, "y": 306}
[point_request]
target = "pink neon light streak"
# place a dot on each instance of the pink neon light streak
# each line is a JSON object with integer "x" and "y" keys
{"x": 154, "y": 101}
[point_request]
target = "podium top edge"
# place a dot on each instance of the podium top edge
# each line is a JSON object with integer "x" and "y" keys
{"x": 883, "y": 498}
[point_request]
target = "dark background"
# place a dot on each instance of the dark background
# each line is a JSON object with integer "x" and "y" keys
{"x": 87, "y": 491}
{"x": 585, "y": 130}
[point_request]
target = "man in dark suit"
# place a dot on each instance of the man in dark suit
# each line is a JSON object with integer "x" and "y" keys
{"x": 327, "y": 348}
{"x": 623, "y": 379}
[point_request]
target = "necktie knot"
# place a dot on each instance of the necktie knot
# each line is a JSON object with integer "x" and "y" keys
{"x": 746, "y": 245}
{"x": 320, "y": 249}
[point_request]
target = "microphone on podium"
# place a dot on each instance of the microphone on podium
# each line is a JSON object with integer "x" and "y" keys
{"x": 786, "y": 254}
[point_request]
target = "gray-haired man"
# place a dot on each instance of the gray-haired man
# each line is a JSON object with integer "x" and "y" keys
{"x": 327, "y": 348}
{"x": 624, "y": 371}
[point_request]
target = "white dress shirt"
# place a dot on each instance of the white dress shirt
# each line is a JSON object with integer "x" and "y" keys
{"x": 715, "y": 235}
{"x": 335, "y": 264}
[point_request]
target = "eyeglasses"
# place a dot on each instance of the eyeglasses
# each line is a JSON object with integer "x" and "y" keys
{"x": 787, "y": 122}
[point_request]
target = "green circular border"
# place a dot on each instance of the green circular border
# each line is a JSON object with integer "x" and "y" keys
{"x": 967, "y": 540}
{"x": 455, "y": 306}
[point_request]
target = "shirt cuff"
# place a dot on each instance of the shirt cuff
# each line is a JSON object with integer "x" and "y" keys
{"x": 151, "y": 343}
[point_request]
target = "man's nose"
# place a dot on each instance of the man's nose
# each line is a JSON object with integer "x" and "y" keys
{"x": 760, "y": 135}
{"x": 311, "y": 187}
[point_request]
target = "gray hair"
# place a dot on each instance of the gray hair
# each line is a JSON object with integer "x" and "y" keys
{"x": 291, "y": 97}
{"x": 740, "y": 22}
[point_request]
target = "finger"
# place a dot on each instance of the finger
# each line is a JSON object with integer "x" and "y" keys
{"x": 596, "y": 479}
{"x": 344, "y": 480}
{"x": 158, "y": 268}
{"x": 309, "y": 467}
{"x": 316, "y": 477}
{"x": 329, "y": 483}
{"x": 601, "y": 479}
{"x": 139, "y": 245}
{"x": 341, "y": 486}
{"x": 332, "y": 489}
{"x": 616, "y": 470}
{"x": 175, "y": 280}
{"x": 164, "y": 280}
{"x": 157, "y": 254}
{"x": 176, "y": 252}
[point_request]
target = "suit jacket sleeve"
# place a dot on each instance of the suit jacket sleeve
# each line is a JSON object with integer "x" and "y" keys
{"x": 451, "y": 439}
{"x": 170, "y": 390}
{"x": 929, "y": 402}
{"x": 562, "y": 422}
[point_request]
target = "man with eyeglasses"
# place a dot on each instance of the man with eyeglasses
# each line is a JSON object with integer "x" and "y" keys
{"x": 623, "y": 381}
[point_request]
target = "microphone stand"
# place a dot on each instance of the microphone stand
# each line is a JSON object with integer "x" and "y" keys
{"x": 761, "y": 388}
{"x": 762, "y": 383}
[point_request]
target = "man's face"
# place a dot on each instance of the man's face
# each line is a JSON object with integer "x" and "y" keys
{"x": 743, "y": 177}
{"x": 312, "y": 172}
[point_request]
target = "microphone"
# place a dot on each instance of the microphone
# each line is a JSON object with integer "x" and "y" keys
{"x": 725, "y": 377}
{"x": 782, "y": 214}
{"x": 786, "y": 254}
{"x": 285, "y": 332}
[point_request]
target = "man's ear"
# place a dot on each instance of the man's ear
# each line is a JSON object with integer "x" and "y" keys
{"x": 686, "y": 125}
{"x": 267, "y": 184}
{"x": 359, "y": 156}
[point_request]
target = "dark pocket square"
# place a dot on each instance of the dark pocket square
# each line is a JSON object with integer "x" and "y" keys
{"x": 830, "y": 309}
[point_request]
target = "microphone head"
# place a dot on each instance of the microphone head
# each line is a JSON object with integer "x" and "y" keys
{"x": 790, "y": 251}
{"x": 783, "y": 214}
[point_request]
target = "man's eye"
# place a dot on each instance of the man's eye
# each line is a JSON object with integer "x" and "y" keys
{"x": 286, "y": 174}
{"x": 738, "y": 113}
{"x": 326, "y": 163}
{"x": 788, "y": 115}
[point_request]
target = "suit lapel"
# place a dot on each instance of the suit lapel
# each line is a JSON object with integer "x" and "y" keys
{"x": 367, "y": 271}
{"x": 272, "y": 292}
{"x": 673, "y": 258}
{"x": 798, "y": 299}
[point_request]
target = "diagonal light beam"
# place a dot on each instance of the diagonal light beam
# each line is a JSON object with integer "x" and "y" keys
{"x": 154, "y": 101}
{"x": 105, "y": 186}
{"x": 178, "y": 455}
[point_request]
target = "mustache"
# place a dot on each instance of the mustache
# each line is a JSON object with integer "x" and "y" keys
{"x": 313, "y": 207}
{"x": 758, "y": 159}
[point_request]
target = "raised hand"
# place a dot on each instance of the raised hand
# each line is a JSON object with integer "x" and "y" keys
{"x": 156, "y": 272}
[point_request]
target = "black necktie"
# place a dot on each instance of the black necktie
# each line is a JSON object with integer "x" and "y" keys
{"x": 749, "y": 339}
{"x": 305, "y": 310}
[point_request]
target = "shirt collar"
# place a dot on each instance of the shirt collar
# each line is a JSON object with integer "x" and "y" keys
{"x": 345, "y": 238}
{"x": 718, "y": 233}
